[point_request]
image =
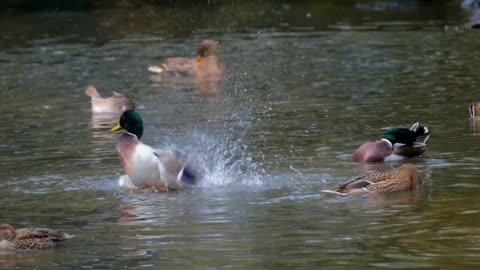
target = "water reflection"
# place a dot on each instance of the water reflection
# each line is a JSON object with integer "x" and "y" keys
{"x": 101, "y": 123}
{"x": 208, "y": 89}
{"x": 397, "y": 198}
{"x": 475, "y": 126}
{"x": 365, "y": 167}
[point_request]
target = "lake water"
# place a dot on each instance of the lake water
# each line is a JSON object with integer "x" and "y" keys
{"x": 308, "y": 83}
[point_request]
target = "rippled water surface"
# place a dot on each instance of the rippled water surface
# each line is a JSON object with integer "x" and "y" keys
{"x": 307, "y": 84}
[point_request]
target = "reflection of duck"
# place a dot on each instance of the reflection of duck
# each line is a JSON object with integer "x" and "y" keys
{"x": 103, "y": 120}
{"x": 30, "y": 238}
{"x": 206, "y": 69}
{"x": 114, "y": 104}
{"x": 405, "y": 178}
{"x": 395, "y": 198}
{"x": 396, "y": 144}
{"x": 147, "y": 168}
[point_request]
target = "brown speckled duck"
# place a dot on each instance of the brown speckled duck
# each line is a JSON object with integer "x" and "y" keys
{"x": 396, "y": 144}
{"x": 147, "y": 168}
{"x": 206, "y": 64}
{"x": 406, "y": 177}
{"x": 117, "y": 103}
{"x": 29, "y": 238}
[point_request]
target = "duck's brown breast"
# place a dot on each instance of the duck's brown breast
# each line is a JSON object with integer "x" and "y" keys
{"x": 375, "y": 151}
{"x": 126, "y": 150}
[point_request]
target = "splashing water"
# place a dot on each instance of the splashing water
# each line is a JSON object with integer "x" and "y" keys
{"x": 221, "y": 160}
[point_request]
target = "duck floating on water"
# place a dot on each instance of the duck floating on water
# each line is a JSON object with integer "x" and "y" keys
{"x": 206, "y": 64}
{"x": 396, "y": 144}
{"x": 147, "y": 168}
{"x": 406, "y": 177}
{"x": 206, "y": 72}
{"x": 30, "y": 238}
{"x": 117, "y": 103}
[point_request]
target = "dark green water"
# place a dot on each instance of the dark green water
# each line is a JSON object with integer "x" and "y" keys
{"x": 308, "y": 83}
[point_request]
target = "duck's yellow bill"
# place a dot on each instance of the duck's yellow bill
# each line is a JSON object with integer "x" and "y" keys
{"x": 116, "y": 128}
{"x": 198, "y": 62}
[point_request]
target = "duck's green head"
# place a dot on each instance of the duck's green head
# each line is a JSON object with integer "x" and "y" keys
{"x": 132, "y": 122}
{"x": 400, "y": 135}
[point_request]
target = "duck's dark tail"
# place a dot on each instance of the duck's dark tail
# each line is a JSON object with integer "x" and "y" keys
{"x": 423, "y": 133}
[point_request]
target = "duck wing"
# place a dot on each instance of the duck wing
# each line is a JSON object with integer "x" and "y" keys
{"x": 177, "y": 66}
{"x": 35, "y": 238}
{"x": 411, "y": 150}
{"x": 173, "y": 170}
{"x": 39, "y": 233}
{"x": 363, "y": 181}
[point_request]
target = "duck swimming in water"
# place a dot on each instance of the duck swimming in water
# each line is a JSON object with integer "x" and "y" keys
{"x": 404, "y": 178}
{"x": 30, "y": 238}
{"x": 396, "y": 144}
{"x": 147, "y": 168}
{"x": 117, "y": 103}
{"x": 206, "y": 64}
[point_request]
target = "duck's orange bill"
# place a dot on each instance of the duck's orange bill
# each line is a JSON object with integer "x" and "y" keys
{"x": 198, "y": 61}
{"x": 116, "y": 128}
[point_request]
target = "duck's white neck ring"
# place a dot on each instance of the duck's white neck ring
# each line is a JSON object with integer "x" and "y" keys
{"x": 389, "y": 142}
{"x": 131, "y": 134}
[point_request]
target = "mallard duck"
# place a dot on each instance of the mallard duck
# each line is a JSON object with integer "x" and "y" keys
{"x": 149, "y": 169}
{"x": 396, "y": 144}
{"x": 115, "y": 104}
{"x": 404, "y": 178}
{"x": 29, "y": 238}
{"x": 206, "y": 65}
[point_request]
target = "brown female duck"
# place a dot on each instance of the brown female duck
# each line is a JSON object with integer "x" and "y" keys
{"x": 206, "y": 64}
{"x": 115, "y": 104}
{"x": 29, "y": 238}
{"x": 404, "y": 178}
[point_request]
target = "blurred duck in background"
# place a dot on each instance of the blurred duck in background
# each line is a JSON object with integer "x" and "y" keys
{"x": 117, "y": 103}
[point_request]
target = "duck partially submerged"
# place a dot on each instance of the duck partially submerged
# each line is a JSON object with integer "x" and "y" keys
{"x": 396, "y": 144}
{"x": 406, "y": 177}
{"x": 115, "y": 104}
{"x": 147, "y": 168}
{"x": 30, "y": 238}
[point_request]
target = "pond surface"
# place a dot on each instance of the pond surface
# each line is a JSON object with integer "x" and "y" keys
{"x": 308, "y": 83}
